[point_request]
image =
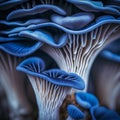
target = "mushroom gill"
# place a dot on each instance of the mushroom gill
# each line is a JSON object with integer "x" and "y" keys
{"x": 50, "y": 87}
{"x": 81, "y": 49}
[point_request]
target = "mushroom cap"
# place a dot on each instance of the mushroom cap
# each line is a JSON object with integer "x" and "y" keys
{"x": 81, "y": 20}
{"x": 91, "y": 26}
{"x": 18, "y": 46}
{"x": 86, "y": 100}
{"x": 74, "y": 112}
{"x": 76, "y": 21}
{"x": 102, "y": 113}
{"x": 38, "y": 9}
{"x": 45, "y": 37}
{"x": 34, "y": 66}
{"x": 9, "y": 4}
{"x": 94, "y": 6}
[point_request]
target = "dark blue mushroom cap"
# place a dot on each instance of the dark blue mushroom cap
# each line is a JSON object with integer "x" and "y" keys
{"x": 36, "y": 22}
{"x": 45, "y": 37}
{"x": 34, "y": 66}
{"x": 86, "y": 100}
{"x": 38, "y": 9}
{"x": 102, "y": 113}
{"x": 74, "y": 112}
{"x": 94, "y": 6}
{"x": 19, "y": 46}
{"x": 10, "y": 3}
{"x": 74, "y": 22}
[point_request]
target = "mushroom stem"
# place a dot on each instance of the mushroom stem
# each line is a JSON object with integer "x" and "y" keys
{"x": 13, "y": 84}
{"x": 49, "y": 97}
{"x": 81, "y": 49}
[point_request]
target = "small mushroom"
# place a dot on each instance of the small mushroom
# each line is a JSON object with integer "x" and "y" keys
{"x": 86, "y": 100}
{"x": 74, "y": 112}
{"x": 50, "y": 87}
{"x": 18, "y": 46}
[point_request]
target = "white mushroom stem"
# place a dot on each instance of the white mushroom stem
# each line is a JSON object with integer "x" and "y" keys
{"x": 13, "y": 83}
{"x": 49, "y": 97}
{"x": 80, "y": 51}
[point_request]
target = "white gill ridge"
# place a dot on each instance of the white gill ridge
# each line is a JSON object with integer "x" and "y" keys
{"x": 49, "y": 97}
{"x": 79, "y": 52}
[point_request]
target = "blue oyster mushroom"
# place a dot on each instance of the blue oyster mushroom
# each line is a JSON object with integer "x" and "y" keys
{"x": 13, "y": 83}
{"x": 50, "y": 87}
{"x": 4, "y": 5}
{"x": 97, "y": 6}
{"x": 24, "y": 25}
{"x": 74, "y": 50}
{"x": 74, "y": 112}
{"x": 19, "y": 46}
{"x": 85, "y": 37}
{"x": 38, "y": 9}
{"x": 114, "y": 47}
{"x": 103, "y": 113}
{"x": 86, "y": 100}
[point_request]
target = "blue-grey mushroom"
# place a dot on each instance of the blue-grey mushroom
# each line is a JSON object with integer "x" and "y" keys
{"x": 86, "y": 100}
{"x": 50, "y": 87}
{"x": 74, "y": 112}
{"x": 71, "y": 34}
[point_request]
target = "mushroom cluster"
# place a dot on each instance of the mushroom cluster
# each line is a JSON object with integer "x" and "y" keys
{"x": 71, "y": 33}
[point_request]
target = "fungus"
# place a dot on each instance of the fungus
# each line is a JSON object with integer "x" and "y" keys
{"x": 12, "y": 82}
{"x": 78, "y": 35}
{"x": 105, "y": 75}
{"x": 71, "y": 34}
{"x": 103, "y": 113}
{"x": 18, "y": 46}
{"x": 50, "y": 87}
{"x": 85, "y": 38}
{"x": 74, "y": 112}
{"x": 86, "y": 100}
